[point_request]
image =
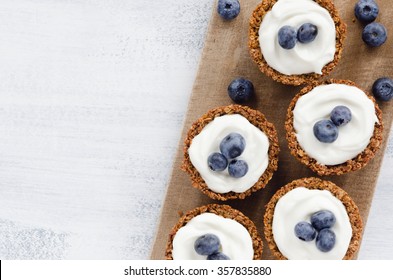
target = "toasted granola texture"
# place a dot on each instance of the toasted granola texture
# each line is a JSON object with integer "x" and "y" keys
{"x": 223, "y": 211}
{"x": 254, "y": 117}
{"x": 295, "y": 80}
{"x": 350, "y": 165}
{"x": 315, "y": 183}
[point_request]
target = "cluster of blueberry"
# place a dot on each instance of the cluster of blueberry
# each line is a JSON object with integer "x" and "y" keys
{"x": 231, "y": 147}
{"x": 374, "y": 34}
{"x": 209, "y": 245}
{"x": 288, "y": 35}
{"x": 321, "y": 223}
{"x": 326, "y": 131}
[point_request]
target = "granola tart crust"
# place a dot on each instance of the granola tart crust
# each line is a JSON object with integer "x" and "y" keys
{"x": 315, "y": 183}
{"x": 254, "y": 117}
{"x": 350, "y": 165}
{"x": 222, "y": 210}
{"x": 295, "y": 80}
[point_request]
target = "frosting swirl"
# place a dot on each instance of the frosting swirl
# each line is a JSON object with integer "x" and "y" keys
{"x": 208, "y": 142}
{"x": 235, "y": 240}
{"x": 298, "y": 205}
{"x": 303, "y": 58}
{"x": 353, "y": 137}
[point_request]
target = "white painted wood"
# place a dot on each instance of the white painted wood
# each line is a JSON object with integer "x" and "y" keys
{"x": 92, "y": 98}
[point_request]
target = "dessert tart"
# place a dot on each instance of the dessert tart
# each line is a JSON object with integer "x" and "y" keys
{"x": 333, "y": 149}
{"x": 214, "y": 232}
{"x": 296, "y": 41}
{"x": 231, "y": 152}
{"x": 312, "y": 219}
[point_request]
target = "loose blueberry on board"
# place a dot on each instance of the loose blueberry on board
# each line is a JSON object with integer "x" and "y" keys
{"x": 326, "y": 239}
{"x": 232, "y": 145}
{"x": 383, "y": 89}
{"x": 323, "y": 219}
{"x": 217, "y": 162}
{"x": 207, "y": 244}
{"x": 237, "y": 168}
{"x": 340, "y": 115}
{"x": 228, "y": 9}
{"x": 218, "y": 256}
{"x": 307, "y": 33}
{"x": 240, "y": 90}
{"x": 374, "y": 34}
{"x": 287, "y": 37}
{"x": 325, "y": 131}
{"x": 305, "y": 231}
{"x": 366, "y": 10}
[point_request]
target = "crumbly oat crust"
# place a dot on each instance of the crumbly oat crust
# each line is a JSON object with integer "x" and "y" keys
{"x": 256, "y": 54}
{"x": 351, "y": 165}
{"x": 254, "y": 117}
{"x": 315, "y": 183}
{"x": 226, "y": 212}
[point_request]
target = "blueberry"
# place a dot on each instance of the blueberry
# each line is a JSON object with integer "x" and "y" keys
{"x": 374, "y": 34}
{"x": 237, "y": 168}
{"x": 228, "y": 9}
{"x": 287, "y": 37}
{"x": 217, "y": 162}
{"x": 325, "y": 240}
{"x": 232, "y": 145}
{"x": 307, "y": 33}
{"x": 366, "y": 10}
{"x": 240, "y": 90}
{"x": 217, "y": 256}
{"x": 341, "y": 115}
{"x": 325, "y": 131}
{"x": 305, "y": 231}
{"x": 323, "y": 219}
{"x": 383, "y": 89}
{"x": 207, "y": 244}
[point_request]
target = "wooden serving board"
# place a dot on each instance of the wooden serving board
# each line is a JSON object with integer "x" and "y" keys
{"x": 225, "y": 57}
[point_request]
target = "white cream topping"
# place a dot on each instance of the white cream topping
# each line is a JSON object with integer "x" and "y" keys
{"x": 208, "y": 142}
{"x": 236, "y": 242}
{"x": 303, "y": 58}
{"x": 353, "y": 137}
{"x": 298, "y": 205}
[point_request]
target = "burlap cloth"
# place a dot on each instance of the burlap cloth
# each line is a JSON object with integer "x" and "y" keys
{"x": 225, "y": 56}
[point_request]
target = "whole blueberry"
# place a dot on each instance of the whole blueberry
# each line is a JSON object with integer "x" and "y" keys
{"x": 325, "y": 131}
{"x": 366, "y": 10}
{"x": 305, "y": 231}
{"x": 307, "y": 33}
{"x": 217, "y": 162}
{"x": 326, "y": 239}
{"x": 383, "y": 89}
{"x": 237, "y": 168}
{"x": 232, "y": 145}
{"x": 340, "y": 115}
{"x": 323, "y": 219}
{"x": 374, "y": 34}
{"x": 287, "y": 37}
{"x": 207, "y": 244}
{"x": 240, "y": 90}
{"x": 217, "y": 256}
{"x": 228, "y": 9}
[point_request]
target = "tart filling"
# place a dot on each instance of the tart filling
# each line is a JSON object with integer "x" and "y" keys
{"x": 208, "y": 141}
{"x": 303, "y": 58}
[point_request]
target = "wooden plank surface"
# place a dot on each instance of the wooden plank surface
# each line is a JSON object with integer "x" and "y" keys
{"x": 225, "y": 57}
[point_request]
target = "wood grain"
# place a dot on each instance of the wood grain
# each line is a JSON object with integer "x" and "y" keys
{"x": 225, "y": 57}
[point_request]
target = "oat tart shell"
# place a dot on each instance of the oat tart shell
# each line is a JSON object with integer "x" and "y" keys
{"x": 254, "y": 117}
{"x": 257, "y": 56}
{"x": 223, "y": 211}
{"x": 315, "y": 183}
{"x": 350, "y": 165}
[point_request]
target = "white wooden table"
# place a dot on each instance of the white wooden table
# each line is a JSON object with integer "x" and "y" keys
{"x": 92, "y": 99}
